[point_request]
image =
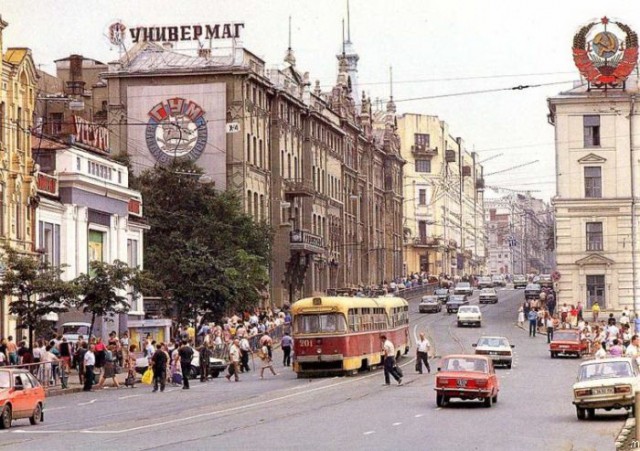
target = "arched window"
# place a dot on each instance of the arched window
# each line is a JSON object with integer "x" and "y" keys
{"x": 262, "y": 212}
{"x": 295, "y": 167}
{"x": 248, "y": 148}
{"x": 249, "y": 198}
{"x": 261, "y": 155}
{"x": 288, "y": 165}
{"x": 255, "y": 150}
{"x": 255, "y": 207}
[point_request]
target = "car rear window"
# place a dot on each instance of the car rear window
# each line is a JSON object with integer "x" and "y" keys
{"x": 5, "y": 379}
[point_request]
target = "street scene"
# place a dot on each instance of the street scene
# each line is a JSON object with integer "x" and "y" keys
{"x": 319, "y": 225}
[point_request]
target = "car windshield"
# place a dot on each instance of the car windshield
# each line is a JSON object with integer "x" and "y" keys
{"x": 5, "y": 381}
{"x": 322, "y": 323}
{"x": 456, "y": 299}
{"x": 470, "y": 309}
{"x": 442, "y": 291}
{"x": 463, "y": 285}
{"x": 428, "y": 299}
{"x": 493, "y": 342}
{"x": 566, "y": 336}
{"x": 604, "y": 369}
{"x": 533, "y": 286}
{"x": 487, "y": 291}
{"x": 464, "y": 364}
{"x": 75, "y": 329}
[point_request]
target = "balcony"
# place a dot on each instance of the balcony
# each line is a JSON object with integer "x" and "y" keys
{"x": 303, "y": 241}
{"x": 47, "y": 184}
{"x": 426, "y": 241}
{"x": 298, "y": 188}
{"x": 422, "y": 151}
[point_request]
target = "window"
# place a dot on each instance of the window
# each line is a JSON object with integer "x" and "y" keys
{"x": 591, "y": 130}
{"x": 595, "y": 291}
{"x": 56, "y": 120}
{"x": 49, "y": 237}
{"x": 422, "y": 197}
{"x": 592, "y": 181}
{"x": 422, "y": 230}
{"x": 423, "y": 165}
{"x": 594, "y": 236}
{"x": 96, "y": 246}
{"x": 319, "y": 323}
{"x": 78, "y": 164}
{"x": 421, "y": 140}
{"x": 132, "y": 253}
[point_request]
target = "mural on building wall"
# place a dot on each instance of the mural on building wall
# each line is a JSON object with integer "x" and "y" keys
{"x": 168, "y": 122}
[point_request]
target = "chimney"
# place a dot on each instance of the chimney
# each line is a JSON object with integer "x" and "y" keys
{"x": 75, "y": 85}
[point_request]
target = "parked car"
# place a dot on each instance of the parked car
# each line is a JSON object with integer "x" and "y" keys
{"x": 216, "y": 365}
{"x": 498, "y": 280}
{"x": 466, "y": 377}
{"x": 485, "y": 282}
{"x": 469, "y": 315}
{"x": 532, "y": 291}
{"x": 606, "y": 384}
{"x": 463, "y": 288}
{"x": 429, "y": 304}
{"x": 455, "y": 301}
{"x": 520, "y": 281}
{"x": 442, "y": 294}
{"x": 488, "y": 295}
{"x": 497, "y": 349}
{"x": 567, "y": 342}
{"x": 21, "y": 396}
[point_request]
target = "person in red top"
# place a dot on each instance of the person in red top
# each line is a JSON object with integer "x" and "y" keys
{"x": 100, "y": 352}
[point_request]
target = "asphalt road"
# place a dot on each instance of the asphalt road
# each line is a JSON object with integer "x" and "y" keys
{"x": 534, "y": 411}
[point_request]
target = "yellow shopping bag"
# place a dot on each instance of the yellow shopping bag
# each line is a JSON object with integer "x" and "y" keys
{"x": 147, "y": 377}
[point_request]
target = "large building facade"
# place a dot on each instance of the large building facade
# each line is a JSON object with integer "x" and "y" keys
{"x": 444, "y": 223}
{"x": 326, "y": 175}
{"x": 18, "y": 197}
{"x": 597, "y": 184}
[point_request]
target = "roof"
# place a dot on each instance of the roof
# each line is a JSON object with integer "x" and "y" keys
{"x": 466, "y": 356}
{"x": 84, "y": 58}
{"x": 582, "y": 89}
{"x": 42, "y": 143}
{"x": 16, "y": 55}
{"x": 329, "y": 302}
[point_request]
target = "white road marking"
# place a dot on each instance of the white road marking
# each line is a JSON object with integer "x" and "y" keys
{"x": 419, "y": 415}
{"x": 438, "y": 408}
{"x": 85, "y": 403}
{"x": 49, "y": 409}
{"x": 369, "y": 432}
{"x": 396, "y": 424}
{"x": 130, "y": 396}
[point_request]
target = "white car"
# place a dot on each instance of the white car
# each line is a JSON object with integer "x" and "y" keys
{"x": 606, "y": 384}
{"x": 488, "y": 295}
{"x": 497, "y": 349}
{"x": 469, "y": 315}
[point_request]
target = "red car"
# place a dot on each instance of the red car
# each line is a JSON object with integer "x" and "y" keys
{"x": 466, "y": 377}
{"x": 21, "y": 396}
{"x": 567, "y": 342}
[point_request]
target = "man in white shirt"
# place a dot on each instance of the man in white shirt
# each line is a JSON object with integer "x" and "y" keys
{"x": 633, "y": 350}
{"x": 89, "y": 363}
{"x": 389, "y": 361}
{"x": 423, "y": 354}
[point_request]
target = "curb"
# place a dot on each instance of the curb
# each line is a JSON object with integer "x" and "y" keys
{"x": 626, "y": 436}
{"x": 62, "y": 391}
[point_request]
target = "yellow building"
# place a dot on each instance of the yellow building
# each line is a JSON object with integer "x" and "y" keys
{"x": 443, "y": 202}
{"x": 17, "y": 185}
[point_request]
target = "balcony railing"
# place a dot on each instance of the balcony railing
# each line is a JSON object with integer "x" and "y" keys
{"x": 298, "y": 187}
{"x": 301, "y": 240}
{"x": 419, "y": 150}
{"x": 426, "y": 241}
{"x": 47, "y": 184}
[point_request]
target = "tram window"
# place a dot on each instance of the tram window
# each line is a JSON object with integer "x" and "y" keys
{"x": 323, "y": 323}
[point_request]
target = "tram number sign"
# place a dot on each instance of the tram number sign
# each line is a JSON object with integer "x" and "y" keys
{"x": 305, "y": 343}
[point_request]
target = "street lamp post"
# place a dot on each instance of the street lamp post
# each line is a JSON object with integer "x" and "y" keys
{"x": 25, "y": 291}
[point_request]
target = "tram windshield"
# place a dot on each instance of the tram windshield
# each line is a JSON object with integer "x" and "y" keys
{"x": 319, "y": 323}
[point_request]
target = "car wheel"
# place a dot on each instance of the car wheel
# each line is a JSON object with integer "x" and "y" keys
{"x": 459, "y": 324}
{"x": 509, "y": 366}
{"x": 488, "y": 401}
{"x": 37, "y": 415}
{"x": 439, "y": 400}
{"x": 553, "y": 355}
{"x": 591, "y": 413}
{"x": 5, "y": 418}
{"x": 215, "y": 374}
{"x": 195, "y": 372}
{"x": 495, "y": 399}
{"x": 580, "y": 412}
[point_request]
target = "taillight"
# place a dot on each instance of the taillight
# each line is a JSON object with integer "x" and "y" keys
{"x": 504, "y": 353}
{"x": 623, "y": 389}
{"x": 481, "y": 352}
{"x": 442, "y": 381}
{"x": 481, "y": 382}
{"x": 583, "y": 392}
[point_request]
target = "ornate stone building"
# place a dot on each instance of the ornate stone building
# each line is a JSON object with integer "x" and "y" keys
{"x": 17, "y": 183}
{"x": 325, "y": 174}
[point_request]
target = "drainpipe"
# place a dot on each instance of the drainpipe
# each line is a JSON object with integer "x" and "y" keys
{"x": 634, "y": 258}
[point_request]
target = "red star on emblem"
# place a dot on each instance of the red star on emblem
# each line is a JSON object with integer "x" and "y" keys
{"x": 604, "y": 20}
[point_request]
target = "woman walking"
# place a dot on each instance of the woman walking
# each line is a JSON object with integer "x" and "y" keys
{"x": 109, "y": 368}
{"x": 266, "y": 361}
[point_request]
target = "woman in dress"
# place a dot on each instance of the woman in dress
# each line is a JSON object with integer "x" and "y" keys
{"x": 266, "y": 361}
{"x": 109, "y": 368}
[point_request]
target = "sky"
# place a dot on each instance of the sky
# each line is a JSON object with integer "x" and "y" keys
{"x": 435, "y": 49}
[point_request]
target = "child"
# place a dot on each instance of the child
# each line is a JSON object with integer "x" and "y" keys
{"x": 521, "y": 317}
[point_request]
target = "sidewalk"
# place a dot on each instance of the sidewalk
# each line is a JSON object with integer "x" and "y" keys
{"x": 74, "y": 386}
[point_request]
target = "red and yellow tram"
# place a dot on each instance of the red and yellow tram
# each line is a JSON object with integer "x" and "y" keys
{"x": 342, "y": 334}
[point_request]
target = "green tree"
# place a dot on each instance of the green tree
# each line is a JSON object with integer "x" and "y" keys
{"x": 211, "y": 257}
{"x": 36, "y": 289}
{"x": 103, "y": 290}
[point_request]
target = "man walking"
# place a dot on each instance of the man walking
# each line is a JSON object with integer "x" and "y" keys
{"x": 549, "y": 325}
{"x": 159, "y": 365}
{"x": 286, "y": 344}
{"x": 205, "y": 353}
{"x": 245, "y": 350}
{"x": 234, "y": 357}
{"x": 186, "y": 355}
{"x": 533, "y": 322}
{"x": 423, "y": 354}
{"x": 89, "y": 362}
{"x": 389, "y": 361}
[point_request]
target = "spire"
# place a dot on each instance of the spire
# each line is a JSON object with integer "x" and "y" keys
{"x": 348, "y": 23}
{"x": 289, "y": 57}
{"x": 348, "y": 53}
{"x": 391, "y": 105}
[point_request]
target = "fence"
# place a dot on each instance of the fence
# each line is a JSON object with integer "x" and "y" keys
{"x": 49, "y": 374}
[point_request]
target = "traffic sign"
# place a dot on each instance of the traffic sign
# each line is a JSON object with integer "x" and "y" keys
{"x": 233, "y": 127}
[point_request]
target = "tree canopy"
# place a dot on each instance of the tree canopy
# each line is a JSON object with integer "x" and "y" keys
{"x": 211, "y": 257}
